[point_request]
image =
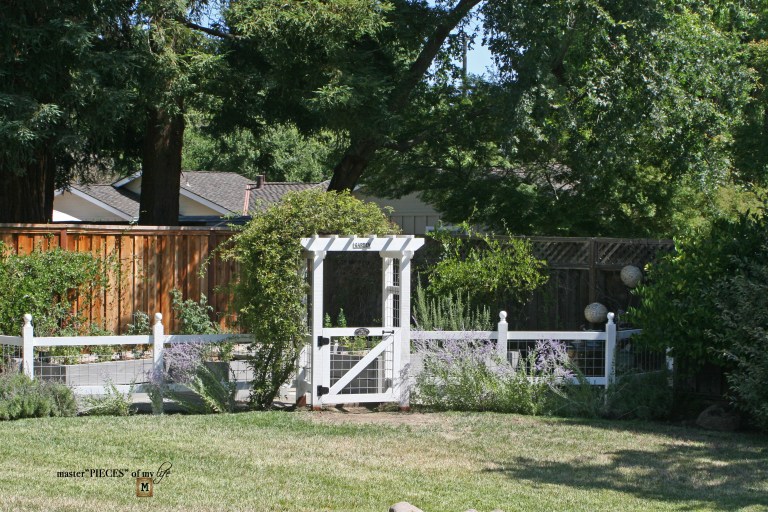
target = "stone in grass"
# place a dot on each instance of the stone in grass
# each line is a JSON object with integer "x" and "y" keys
{"x": 404, "y": 506}
{"x": 717, "y": 417}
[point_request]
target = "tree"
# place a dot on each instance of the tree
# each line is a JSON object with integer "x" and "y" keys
{"x": 51, "y": 100}
{"x": 615, "y": 120}
{"x": 172, "y": 63}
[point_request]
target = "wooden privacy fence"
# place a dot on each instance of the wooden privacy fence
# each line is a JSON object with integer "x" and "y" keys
{"x": 583, "y": 271}
{"x": 155, "y": 260}
{"x": 152, "y": 262}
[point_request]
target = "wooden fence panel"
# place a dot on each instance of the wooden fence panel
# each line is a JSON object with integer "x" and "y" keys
{"x": 150, "y": 262}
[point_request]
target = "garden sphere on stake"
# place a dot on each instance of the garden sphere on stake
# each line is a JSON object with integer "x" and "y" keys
{"x": 596, "y": 313}
{"x": 631, "y": 276}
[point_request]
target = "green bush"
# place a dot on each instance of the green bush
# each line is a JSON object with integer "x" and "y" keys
{"x": 47, "y": 285}
{"x": 194, "y": 317}
{"x": 468, "y": 375}
{"x": 678, "y": 299}
{"x": 112, "y": 403}
{"x": 644, "y": 396}
{"x": 489, "y": 272}
{"x": 449, "y": 312}
{"x": 271, "y": 289}
{"x": 706, "y": 303}
{"x": 22, "y": 397}
{"x": 209, "y": 388}
{"x": 743, "y": 311}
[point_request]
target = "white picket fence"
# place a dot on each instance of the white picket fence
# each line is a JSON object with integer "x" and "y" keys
{"x": 503, "y": 336}
{"x": 123, "y": 374}
{"x": 82, "y": 377}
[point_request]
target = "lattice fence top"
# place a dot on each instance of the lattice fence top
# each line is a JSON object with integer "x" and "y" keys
{"x": 562, "y": 252}
{"x": 602, "y": 252}
{"x": 631, "y": 252}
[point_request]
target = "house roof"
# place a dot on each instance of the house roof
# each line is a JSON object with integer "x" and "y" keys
{"x": 225, "y": 189}
{"x": 122, "y": 200}
{"x": 226, "y": 192}
{"x": 268, "y": 193}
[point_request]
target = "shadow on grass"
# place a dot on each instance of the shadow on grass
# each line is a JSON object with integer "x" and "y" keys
{"x": 694, "y": 469}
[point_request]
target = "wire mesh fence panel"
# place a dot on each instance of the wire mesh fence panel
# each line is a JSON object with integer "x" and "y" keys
{"x": 348, "y": 351}
{"x": 634, "y": 358}
{"x": 587, "y": 355}
{"x": 76, "y": 366}
{"x": 11, "y": 355}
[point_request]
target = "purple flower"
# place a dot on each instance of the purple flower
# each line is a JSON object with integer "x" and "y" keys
{"x": 552, "y": 359}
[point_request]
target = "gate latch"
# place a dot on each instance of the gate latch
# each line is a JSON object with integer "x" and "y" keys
{"x": 322, "y": 390}
{"x": 323, "y": 341}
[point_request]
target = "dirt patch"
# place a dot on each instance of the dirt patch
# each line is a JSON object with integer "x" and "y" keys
{"x": 362, "y": 416}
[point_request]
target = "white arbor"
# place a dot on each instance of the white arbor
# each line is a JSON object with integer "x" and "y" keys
{"x": 364, "y": 363}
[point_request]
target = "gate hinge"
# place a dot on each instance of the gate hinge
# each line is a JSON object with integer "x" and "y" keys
{"x": 322, "y": 390}
{"x": 323, "y": 341}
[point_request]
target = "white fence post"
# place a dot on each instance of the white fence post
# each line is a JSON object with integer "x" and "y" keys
{"x": 501, "y": 341}
{"x": 158, "y": 342}
{"x": 28, "y": 347}
{"x": 610, "y": 348}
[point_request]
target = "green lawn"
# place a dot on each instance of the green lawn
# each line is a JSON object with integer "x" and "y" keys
{"x": 336, "y": 461}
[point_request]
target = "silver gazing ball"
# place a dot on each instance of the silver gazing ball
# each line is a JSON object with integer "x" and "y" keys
{"x": 631, "y": 276}
{"x": 596, "y": 313}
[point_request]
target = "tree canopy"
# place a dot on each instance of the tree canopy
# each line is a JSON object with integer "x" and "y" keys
{"x": 612, "y": 118}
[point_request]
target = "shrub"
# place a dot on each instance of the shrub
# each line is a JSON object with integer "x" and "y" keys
{"x": 22, "y": 397}
{"x": 449, "y": 312}
{"x": 271, "y": 289}
{"x": 194, "y": 317}
{"x": 112, "y": 403}
{"x": 468, "y": 375}
{"x": 47, "y": 285}
{"x": 679, "y": 297}
{"x": 488, "y": 271}
{"x": 644, "y": 396}
{"x": 743, "y": 312}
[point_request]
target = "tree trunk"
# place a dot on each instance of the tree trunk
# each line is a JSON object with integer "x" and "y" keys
{"x": 28, "y": 197}
{"x": 360, "y": 153}
{"x": 161, "y": 169}
{"x": 355, "y": 160}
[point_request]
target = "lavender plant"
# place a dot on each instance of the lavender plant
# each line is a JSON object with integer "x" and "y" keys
{"x": 469, "y": 375}
{"x": 211, "y": 388}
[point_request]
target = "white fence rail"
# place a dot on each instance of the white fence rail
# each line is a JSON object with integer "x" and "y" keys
{"x": 82, "y": 377}
{"x": 604, "y": 342}
{"x": 92, "y": 377}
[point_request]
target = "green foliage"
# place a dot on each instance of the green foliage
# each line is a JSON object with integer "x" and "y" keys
{"x": 448, "y": 312}
{"x": 271, "y": 289}
{"x": 743, "y": 313}
{"x": 22, "y": 397}
{"x": 678, "y": 300}
{"x": 280, "y": 152}
{"x": 488, "y": 271}
{"x": 207, "y": 387}
{"x": 140, "y": 325}
{"x": 468, "y": 375}
{"x": 705, "y": 303}
{"x": 112, "y": 403}
{"x": 47, "y": 284}
{"x": 635, "y": 395}
{"x": 194, "y": 317}
{"x": 214, "y": 388}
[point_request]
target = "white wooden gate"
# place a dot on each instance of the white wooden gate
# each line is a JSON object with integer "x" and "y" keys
{"x": 357, "y": 365}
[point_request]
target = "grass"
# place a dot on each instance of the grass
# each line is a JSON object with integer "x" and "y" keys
{"x": 358, "y": 462}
